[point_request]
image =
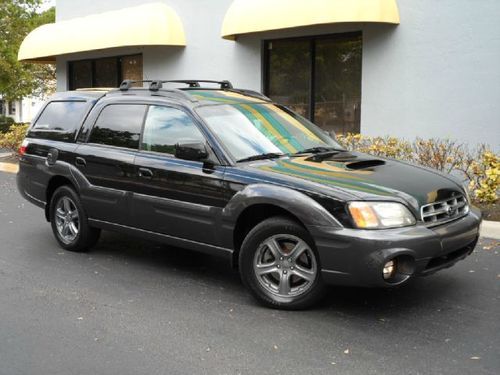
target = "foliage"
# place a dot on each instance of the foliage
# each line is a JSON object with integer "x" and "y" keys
{"x": 485, "y": 179}
{"x": 17, "y": 80}
{"x": 5, "y": 123}
{"x": 480, "y": 166}
{"x": 14, "y": 137}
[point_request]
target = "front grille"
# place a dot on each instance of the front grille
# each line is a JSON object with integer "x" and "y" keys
{"x": 446, "y": 210}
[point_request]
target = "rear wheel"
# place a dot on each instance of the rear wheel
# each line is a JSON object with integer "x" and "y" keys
{"x": 280, "y": 265}
{"x": 69, "y": 221}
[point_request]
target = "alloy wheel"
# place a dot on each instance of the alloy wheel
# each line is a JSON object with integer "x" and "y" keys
{"x": 67, "y": 219}
{"x": 285, "y": 266}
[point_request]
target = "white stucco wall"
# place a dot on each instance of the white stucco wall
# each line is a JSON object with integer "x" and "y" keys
{"x": 434, "y": 75}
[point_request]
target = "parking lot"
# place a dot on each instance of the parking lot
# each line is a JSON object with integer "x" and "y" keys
{"x": 136, "y": 307}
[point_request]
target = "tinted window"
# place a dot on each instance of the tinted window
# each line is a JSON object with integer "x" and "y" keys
{"x": 61, "y": 116}
{"x": 106, "y": 72}
{"x": 119, "y": 125}
{"x": 167, "y": 126}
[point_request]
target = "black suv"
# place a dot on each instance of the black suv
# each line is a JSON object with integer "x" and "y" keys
{"x": 228, "y": 172}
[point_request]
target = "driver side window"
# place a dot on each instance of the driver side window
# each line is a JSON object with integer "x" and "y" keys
{"x": 165, "y": 127}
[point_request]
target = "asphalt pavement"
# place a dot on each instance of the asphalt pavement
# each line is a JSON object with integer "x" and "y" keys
{"x": 136, "y": 307}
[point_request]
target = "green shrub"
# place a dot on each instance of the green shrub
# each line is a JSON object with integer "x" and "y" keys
{"x": 14, "y": 137}
{"x": 5, "y": 123}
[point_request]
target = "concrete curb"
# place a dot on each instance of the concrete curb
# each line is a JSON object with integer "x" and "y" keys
{"x": 9, "y": 167}
{"x": 5, "y": 154}
{"x": 490, "y": 229}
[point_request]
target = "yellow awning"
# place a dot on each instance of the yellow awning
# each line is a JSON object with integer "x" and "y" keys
{"x": 153, "y": 24}
{"x": 251, "y": 16}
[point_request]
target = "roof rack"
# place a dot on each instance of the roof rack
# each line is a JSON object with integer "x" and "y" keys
{"x": 155, "y": 85}
{"x": 225, "y": 84}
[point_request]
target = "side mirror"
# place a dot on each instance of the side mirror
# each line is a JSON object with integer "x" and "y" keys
{"x": 196, "y": 151}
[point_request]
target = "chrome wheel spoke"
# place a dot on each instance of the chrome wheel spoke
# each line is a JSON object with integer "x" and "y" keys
{"x": 72, "y": 229}
{"x": 60, "y": 214}
{"x": 303, "y": 273}
{"x": 74, "y": 214}
{"x": 65, "y": 229}
{"x": 298, "y": 250}
{"x": 274, "y": 248}
{"x": 266, "y": 268}
{"x": 284, "y": 285}
{"x": 66, "y": 205}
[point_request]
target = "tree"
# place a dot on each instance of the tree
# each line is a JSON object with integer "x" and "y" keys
{"x": 18, "y": 79}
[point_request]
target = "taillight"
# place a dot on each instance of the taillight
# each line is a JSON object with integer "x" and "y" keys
{"x": 23, "y": 147}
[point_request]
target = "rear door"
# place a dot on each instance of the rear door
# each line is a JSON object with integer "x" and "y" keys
{"x": 107, "y": 162}
{"x": 181, "y": 198}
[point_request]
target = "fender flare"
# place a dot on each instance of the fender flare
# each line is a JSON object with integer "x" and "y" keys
{"x": 306, "y": 209}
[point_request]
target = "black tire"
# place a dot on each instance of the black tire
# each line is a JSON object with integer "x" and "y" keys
{"x": 86, "y": 236}
{"x": 252, "y": 248}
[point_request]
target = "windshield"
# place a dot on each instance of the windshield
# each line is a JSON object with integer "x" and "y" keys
{"x": 252, "y": 129}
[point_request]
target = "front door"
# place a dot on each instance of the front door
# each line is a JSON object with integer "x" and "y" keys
{"x": 107, "y": 162}
{"x": 180, "y": 198}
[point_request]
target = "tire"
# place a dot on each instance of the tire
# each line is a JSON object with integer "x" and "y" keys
{"x": 280, "y": 265}
{"x": 69, "y": 221}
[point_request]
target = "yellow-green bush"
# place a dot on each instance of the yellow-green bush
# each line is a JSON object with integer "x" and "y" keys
{"x": 480, "y": 166}
{"x": 14, "y": 137}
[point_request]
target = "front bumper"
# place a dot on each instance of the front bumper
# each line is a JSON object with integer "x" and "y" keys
{"x": 357, "y": 257}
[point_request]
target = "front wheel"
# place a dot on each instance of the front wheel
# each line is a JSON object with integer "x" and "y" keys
{"x": 280, "y": 266}
{"x": 69, "y": 221}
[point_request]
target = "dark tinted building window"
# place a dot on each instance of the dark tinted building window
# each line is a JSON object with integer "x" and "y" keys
{"x": 63, "y": 116}
{"x": 81, "y": 74}
{"x": 119, "y": 125}
{"x": 106, "y": 72}
{"x": 165, "y": 127}
{"x": 318, "y": 77}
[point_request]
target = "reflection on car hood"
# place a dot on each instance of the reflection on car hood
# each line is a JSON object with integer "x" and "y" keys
{"x": 361, "y": 175}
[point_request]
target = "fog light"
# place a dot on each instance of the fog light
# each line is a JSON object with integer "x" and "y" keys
{"x": 389, "y": 269}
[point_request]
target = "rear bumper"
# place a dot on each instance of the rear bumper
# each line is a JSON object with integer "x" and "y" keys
{"x": 357, "y": 257}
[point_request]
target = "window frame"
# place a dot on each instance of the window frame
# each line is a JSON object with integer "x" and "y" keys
{"x": 42, "y": 111}
{"x": 119, "y": 70}
{"x": 182, "y": 109}
{"x": 266, "y": 56}
{"x": 91, "y": 128}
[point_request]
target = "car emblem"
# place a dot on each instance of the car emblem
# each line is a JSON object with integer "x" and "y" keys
{"x": 450, "y": 211}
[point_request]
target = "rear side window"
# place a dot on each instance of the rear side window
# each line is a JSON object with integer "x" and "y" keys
{"x": 61, "y": 116}
{"x": 119, "y": 125}
{"x": 165, "y": 127}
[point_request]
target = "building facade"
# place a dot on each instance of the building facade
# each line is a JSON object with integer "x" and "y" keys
{"x": 22, "y": 110}
{"x": 403, "y": 68}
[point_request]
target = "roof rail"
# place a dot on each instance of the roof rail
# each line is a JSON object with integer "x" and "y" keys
{"x": 155, "y": 85}
{"x": 127, "y": 84}
{"x": 225, "y": 84}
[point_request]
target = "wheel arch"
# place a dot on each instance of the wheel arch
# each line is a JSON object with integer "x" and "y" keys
{"x": 54, "y": 183}
{"x": 258, "y": 202}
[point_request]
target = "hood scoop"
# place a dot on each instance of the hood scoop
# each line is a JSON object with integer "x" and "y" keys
{"x": 365, "y": 164}
{"x": 342, "y": 156}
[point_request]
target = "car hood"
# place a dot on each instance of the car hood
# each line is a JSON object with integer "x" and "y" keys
{"x": 360, "y": 176}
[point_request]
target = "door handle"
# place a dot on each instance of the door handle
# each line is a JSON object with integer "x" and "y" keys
{"x": 79, "y": 161}
{"x": 145, "y": 173}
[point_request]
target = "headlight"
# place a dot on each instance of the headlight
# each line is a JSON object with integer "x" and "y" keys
{"x": 380, "y": 215}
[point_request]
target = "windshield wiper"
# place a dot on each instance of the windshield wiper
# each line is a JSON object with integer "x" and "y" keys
{"x": 268, "y": 155}
{"x": 319, "y": 149}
